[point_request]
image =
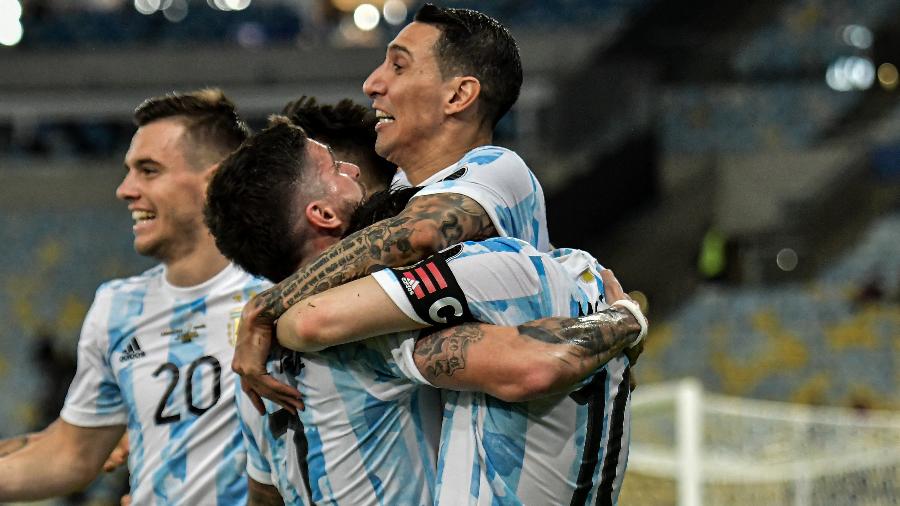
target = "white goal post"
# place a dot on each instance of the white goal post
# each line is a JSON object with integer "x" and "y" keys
{"x": 690, "y": 448}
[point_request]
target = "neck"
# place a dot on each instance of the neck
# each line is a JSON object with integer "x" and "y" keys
{"x": 315, "y": 246}
{"x": 198, "y": 266}
{"x": 443, "y": 151}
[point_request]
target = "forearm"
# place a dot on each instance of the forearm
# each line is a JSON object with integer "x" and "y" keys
{"x": 533, "y": 360}
{"x": 426, "y": 226}
{"x": 53, "y": 464}
{"x": 14, "y": 444}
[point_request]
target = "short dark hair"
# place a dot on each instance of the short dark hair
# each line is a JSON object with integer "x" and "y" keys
{"x": 475, "y": 44}
{"x": 210, "y": 118}
{"x": 250, "y": 201}
{"x": 345, "y": 126}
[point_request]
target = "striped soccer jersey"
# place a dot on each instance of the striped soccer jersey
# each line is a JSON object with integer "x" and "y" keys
{"x": 158, "y": 358}
{"x": 503, "y": 185}
{"x": 368, "y": 436}
{"x": 566, "y": 449}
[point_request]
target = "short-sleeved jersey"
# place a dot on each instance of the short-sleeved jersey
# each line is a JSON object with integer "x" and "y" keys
{"x": 566, "y": 449}
{"x": 158, "y": 358}
{"x": 268, "y": 439}
{"x": 503, "y": 185}
{"x": 368, "y": 436}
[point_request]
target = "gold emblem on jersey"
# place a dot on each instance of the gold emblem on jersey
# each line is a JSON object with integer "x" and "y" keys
{"x": 185, "y": 335}
{"x": 234, "y": 320}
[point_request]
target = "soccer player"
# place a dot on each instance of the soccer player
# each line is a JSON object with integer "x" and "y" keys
{"x": 271, "y": 440}
{"x": 361, "y": 391}
{"x": 446, "y": 81}
{"x": 154, "y": 351}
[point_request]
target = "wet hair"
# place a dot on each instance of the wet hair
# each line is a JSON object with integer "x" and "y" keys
{"x": 348, "y": 128}
{"x": 211, "y": 122}
{"x": 380, "y": 206}
{"x": 250, "y": 204}
{"x": 475, "y": 44}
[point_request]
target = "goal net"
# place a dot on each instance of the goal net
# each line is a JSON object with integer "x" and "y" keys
{"x": 690, "y": 449}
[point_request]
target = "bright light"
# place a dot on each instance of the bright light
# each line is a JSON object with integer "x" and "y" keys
{"x": 887, "y": 76}
{"x": 175, "y": 10}
{"x": 222, "y": 5}
{"x": 366, "y": 17}
{"x": 857, "y": 36}
{"x": 10, "y": 9}
{"x": 10, "y": 31}
{"x": 853, "y": 73}
{"x": 237, "y": 5}
{"x": 146, "y": 7}
{"x": 786, "y": 259}
{"x": 394, "y": 11}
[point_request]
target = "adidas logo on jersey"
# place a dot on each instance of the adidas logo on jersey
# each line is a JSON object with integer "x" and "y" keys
{"x": 132, "y": 351}
{"x": 410, "y": 284}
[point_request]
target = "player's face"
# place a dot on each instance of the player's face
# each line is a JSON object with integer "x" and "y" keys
{"x": 164, "y": 193}
{"x": 408, "y": 94}
{"x": 339, "y": 180}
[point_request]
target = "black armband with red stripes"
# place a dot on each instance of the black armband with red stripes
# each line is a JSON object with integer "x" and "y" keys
{"x": 433, "y": 291}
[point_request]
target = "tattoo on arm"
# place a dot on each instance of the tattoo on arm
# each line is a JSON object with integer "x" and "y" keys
{"x": 427, "y": 225}
{"x": 584, "y": 343}
{"x": 12, "y": 445}
{"x": 444, "y": 352}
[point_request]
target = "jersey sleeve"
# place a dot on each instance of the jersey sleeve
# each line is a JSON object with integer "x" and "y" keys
{"x": 500, "y": 182}
{"x": 94, "y": 398}
{"x": 252, "y": 427}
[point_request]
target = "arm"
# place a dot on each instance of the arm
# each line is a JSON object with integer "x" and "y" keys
{"x": 260, "y": 494}
{"x": 426, "y": 225}
{"x": 66, "y": 458}
{"x": 533, "y": 360}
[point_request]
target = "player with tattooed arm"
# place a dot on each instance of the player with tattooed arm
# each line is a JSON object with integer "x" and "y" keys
{"x": 446, "y": 81}
{"x": 365, "y": 389}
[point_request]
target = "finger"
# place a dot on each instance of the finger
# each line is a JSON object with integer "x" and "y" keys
{"x": 612, "y": 287}
{"x": 257, "y": 402}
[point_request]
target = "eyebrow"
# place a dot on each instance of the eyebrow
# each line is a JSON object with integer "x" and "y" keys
{"x": 398, "y": 48}
{"x": 142, "y": 161}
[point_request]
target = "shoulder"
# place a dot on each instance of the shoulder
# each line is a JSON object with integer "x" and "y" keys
{"x": 132, "y": 283}
{"x": 492, "y": 155}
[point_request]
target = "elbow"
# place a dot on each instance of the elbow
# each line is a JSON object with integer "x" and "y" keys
{"x": 311, "y": 331}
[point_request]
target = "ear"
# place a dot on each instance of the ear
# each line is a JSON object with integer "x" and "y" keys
{"x": 465, "y": 91}
{"x": 210, "y": 171}
{"x": 322, "y": 215}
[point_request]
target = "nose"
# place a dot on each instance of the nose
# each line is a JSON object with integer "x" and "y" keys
{"x": 374, "y": 84}
{"x": 349, "y": 169}
{"x": 127, "y": 190}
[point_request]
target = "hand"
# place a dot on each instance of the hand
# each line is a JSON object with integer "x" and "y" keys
{"x": 118, "y": 456}
{"x": 251, "y": 352}
{"x": 612, "y": 288}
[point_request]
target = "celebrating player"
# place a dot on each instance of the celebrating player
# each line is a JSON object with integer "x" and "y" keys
{"x": 366, "y": 390}
{"x": 446, "y": 81}
{"x": 154, "y": 351}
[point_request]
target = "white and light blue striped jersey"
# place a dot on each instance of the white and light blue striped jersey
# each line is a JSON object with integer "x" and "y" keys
{"x": 268, "y": 440}
{"x": 566, "y": 449}
{"x": 368, "y": 436}
{"x": 504, "y": 186}
{"x": 158, "y": 358}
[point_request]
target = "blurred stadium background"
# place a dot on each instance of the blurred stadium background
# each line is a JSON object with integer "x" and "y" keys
{"x": 736, "y": 162}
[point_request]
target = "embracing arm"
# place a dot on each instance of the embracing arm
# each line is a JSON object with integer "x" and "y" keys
{"x": 535, "y": 359}
{"x": 427, "y": 225}
{"x": 63, "y": 459}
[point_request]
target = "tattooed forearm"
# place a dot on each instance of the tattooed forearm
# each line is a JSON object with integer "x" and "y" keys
{"x": 12, "y": 445}
{"x": 444, "y": 352}
{"x": 597, "y": 337}
{"x": 427, "y": 225}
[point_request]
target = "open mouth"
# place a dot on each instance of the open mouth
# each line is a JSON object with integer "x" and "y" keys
{"x": 383, "y": 117}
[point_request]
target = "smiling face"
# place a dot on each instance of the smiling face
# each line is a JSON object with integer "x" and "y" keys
{"x": 165, "y": 194}
{"x": 408, "y": 94}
